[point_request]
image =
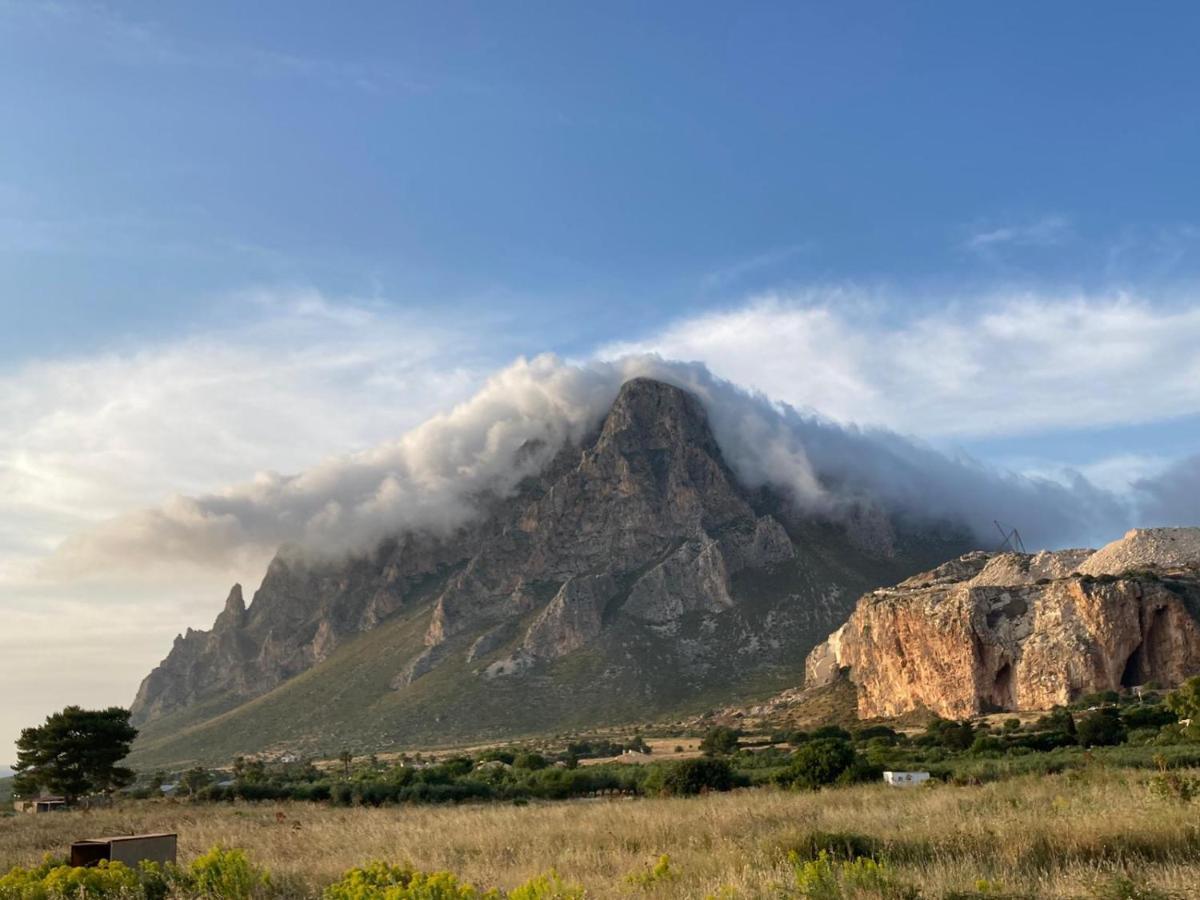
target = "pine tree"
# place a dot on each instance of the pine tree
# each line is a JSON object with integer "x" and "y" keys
{"x": 75, "y": 753}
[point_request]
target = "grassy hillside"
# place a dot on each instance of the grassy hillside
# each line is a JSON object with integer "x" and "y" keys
{"x": 348, "y": 702}
{"x": 5, "y": 791}
{"x": 1095, "y": 833}
{"x": 630, "y": 674}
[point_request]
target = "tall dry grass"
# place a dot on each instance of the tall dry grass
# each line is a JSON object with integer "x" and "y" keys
{"x": 1053, "y": 836}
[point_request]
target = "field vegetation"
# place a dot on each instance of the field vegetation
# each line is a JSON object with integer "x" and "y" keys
{"x": 1098, "y": 800}
{"x": 1099, "y": 831}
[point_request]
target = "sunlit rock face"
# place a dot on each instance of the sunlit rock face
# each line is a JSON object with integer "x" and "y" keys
{"x": 988, "y": 632}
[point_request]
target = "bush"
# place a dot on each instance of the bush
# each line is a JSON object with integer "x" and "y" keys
{"x": 881, "y": 733}
{"x": 227, "y": 874}
{"x": 951, "y": 735}
{"x": 987, "y": 744}
{"x": 52, "y": 880}
{"x": 547, "y": 887}
{"x": 1058, "y": 719}
{"x": 380, "y": 881}
{"x": 826, "y": 879}
{"x": 720, "y": 741}
{"x": 830, "y": 731}
{"x": 529, "y": 760}
{"x": 660, "y": 873}
{"x": 1101, "y": 728}
{"x": 819, "y": 762}
{"x": 696, "y": 776}
{"x": 1153, "y": 715}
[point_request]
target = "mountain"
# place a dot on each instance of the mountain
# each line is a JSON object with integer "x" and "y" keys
{"x": 1012, "y": 631}
{"x": 633, "y": 577}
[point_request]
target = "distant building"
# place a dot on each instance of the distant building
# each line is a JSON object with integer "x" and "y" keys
{"x": 905, "y": 779}
{"x": 41, "y": 805}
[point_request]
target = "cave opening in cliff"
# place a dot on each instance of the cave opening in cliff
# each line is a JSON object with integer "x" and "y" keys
{"x": 1001, "y": 697}
{"x": 1141, "y": 665}
{"x": 1132, "y": 676}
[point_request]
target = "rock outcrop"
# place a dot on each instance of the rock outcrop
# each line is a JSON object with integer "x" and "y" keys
{"x": 638, "y": 549}
{"x": 989, "y": 632}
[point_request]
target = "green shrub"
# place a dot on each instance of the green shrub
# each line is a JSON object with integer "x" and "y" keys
{"x": 696, "y": 776}
{"x": 226, "y": 874}
{"x": 830, "y": 731}
{"x": 547, "y": 887}
{"x": 380, "y": 881}
{"x": 720, "y": 740}
{"x": 987, "y": 744}
{"x": 824, "y": 878}
{"x": 658, "y": 874}
{"x": 951, "y": 735}
{"x": 53, "y": 880}
{"x": 530, "y": 760}
{"x": 819, "y": 762}
{"x": 1101, "y": 728}
{"x": 1150, "y": 715}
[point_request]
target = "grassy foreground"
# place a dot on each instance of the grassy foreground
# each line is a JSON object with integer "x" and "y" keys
{"x": 1095, "y": 833}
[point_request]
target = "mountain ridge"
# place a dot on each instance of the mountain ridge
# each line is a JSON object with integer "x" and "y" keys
{"x": 635, "y": 563}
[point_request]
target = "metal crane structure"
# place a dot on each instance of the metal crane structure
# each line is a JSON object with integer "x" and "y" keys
{"x": 1011, "y": 539}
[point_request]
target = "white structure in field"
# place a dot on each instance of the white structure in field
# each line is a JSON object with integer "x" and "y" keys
{"x": 905, "y": 779}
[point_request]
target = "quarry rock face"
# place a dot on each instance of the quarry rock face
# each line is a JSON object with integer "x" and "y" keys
{"x": 1008, "y": 631}
{"x": 638, "y": 547}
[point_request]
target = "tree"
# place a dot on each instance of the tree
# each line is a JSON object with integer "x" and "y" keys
{"x": 1101, "y": 728}
{"x": 819, "y": 762}
{"x": 1058, "y": 719}
{"x": 951, "y": 735}
{"x": 695, "y": 776}
{"x": 346, "y": 758}
{"x": 1185, "y": 703}
{"x": 195, "y": 780}
{"x": 720, "y": 741}
{"x": 75, "y": 753}
{"x": 528, "y": 759}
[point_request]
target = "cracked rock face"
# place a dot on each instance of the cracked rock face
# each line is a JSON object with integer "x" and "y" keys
{"x": 989, "y": 632}
{"x": 638, "y": 546}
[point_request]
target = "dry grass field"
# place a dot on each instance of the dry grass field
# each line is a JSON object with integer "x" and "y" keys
{"x": 1060, "y": 836}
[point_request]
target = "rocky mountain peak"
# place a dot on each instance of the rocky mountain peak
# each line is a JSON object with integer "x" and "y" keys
{"x": 234, "y": 613}
{"x": 652, "y": 415}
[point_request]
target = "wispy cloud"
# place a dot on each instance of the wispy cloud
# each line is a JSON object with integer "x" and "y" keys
{"x": 86, "y": 438}
{"x": 1048, "y": 231}
{"x": 736, "y": 271}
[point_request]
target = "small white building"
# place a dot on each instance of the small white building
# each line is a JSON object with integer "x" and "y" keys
{"x": 905, "y": 779}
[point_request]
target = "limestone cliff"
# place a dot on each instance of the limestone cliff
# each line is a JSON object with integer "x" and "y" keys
{"x": 988, "y": 632}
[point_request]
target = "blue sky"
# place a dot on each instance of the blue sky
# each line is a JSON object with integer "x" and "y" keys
{"x": 239, "y": 238}
{"x": 590, "y": 169}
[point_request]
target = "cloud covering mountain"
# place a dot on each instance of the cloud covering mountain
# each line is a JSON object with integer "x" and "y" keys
{"x": 435, "y": 476}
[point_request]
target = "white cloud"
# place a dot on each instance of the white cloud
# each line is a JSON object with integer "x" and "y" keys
{"x": 736, "y": 271}
{"x": 86, "y": 439}
{"x": 1049, "y": 231}
{"x": 1006, "y": 364}
{"x": 432, "y": 477}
